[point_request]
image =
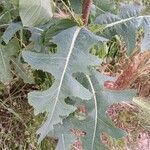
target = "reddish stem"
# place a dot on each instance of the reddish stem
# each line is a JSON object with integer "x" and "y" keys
{"x": 86, "y": 11}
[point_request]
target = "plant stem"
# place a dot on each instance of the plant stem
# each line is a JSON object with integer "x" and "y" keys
{"x": 86, "y": 11}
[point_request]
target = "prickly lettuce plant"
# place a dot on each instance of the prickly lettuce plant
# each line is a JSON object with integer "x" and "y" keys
{"x": 58, "y": 41}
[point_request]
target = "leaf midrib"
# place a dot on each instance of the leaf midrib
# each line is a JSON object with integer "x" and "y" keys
{"x": 124, "y": 21}
{"x": 96, "y": 111}
{"x": 65, "y": 68}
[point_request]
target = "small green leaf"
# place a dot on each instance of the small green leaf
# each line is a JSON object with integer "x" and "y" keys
{"x": 57, "y": 27}
{"x": 10, "y": 31}
{"x": 13, "y": 47}
{"x": 104, "y": 6}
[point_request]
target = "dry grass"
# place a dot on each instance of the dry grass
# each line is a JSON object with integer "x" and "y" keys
{"x": 18, "y": 125}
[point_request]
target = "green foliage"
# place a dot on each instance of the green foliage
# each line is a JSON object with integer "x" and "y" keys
{"x": 63, "y": 55}
{"x": 8, "y": 11}
{"x": 76, "y": 6}
{"x": 104, "y": 6}
{"x": 95, "y": 121}
{"x": 56, "y": 27}
{"x": 70, "y": 58}
{"x": 10, "y": 61}
{"x": 126, "y": 24}
{"x": 40, "y": 12}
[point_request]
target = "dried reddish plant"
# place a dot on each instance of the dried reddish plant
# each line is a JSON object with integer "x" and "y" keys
{"x": 126, "y": 117}
{"x": 138, "y": 67}
{"x": 86, "y": 11}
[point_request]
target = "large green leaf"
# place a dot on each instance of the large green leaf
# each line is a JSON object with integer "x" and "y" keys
{"x": 96, "y": 122}
{"x": 126, "y": 24}
{"x": 72, "y": 56}
{"x": 8, "y": 12}
{"x": 35, "y": 12}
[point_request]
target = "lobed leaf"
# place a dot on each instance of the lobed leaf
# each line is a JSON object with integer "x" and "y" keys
{"x": 125, "y": 24}
{"x": 72, "y": 56}
{"x": 96, "y": 122}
